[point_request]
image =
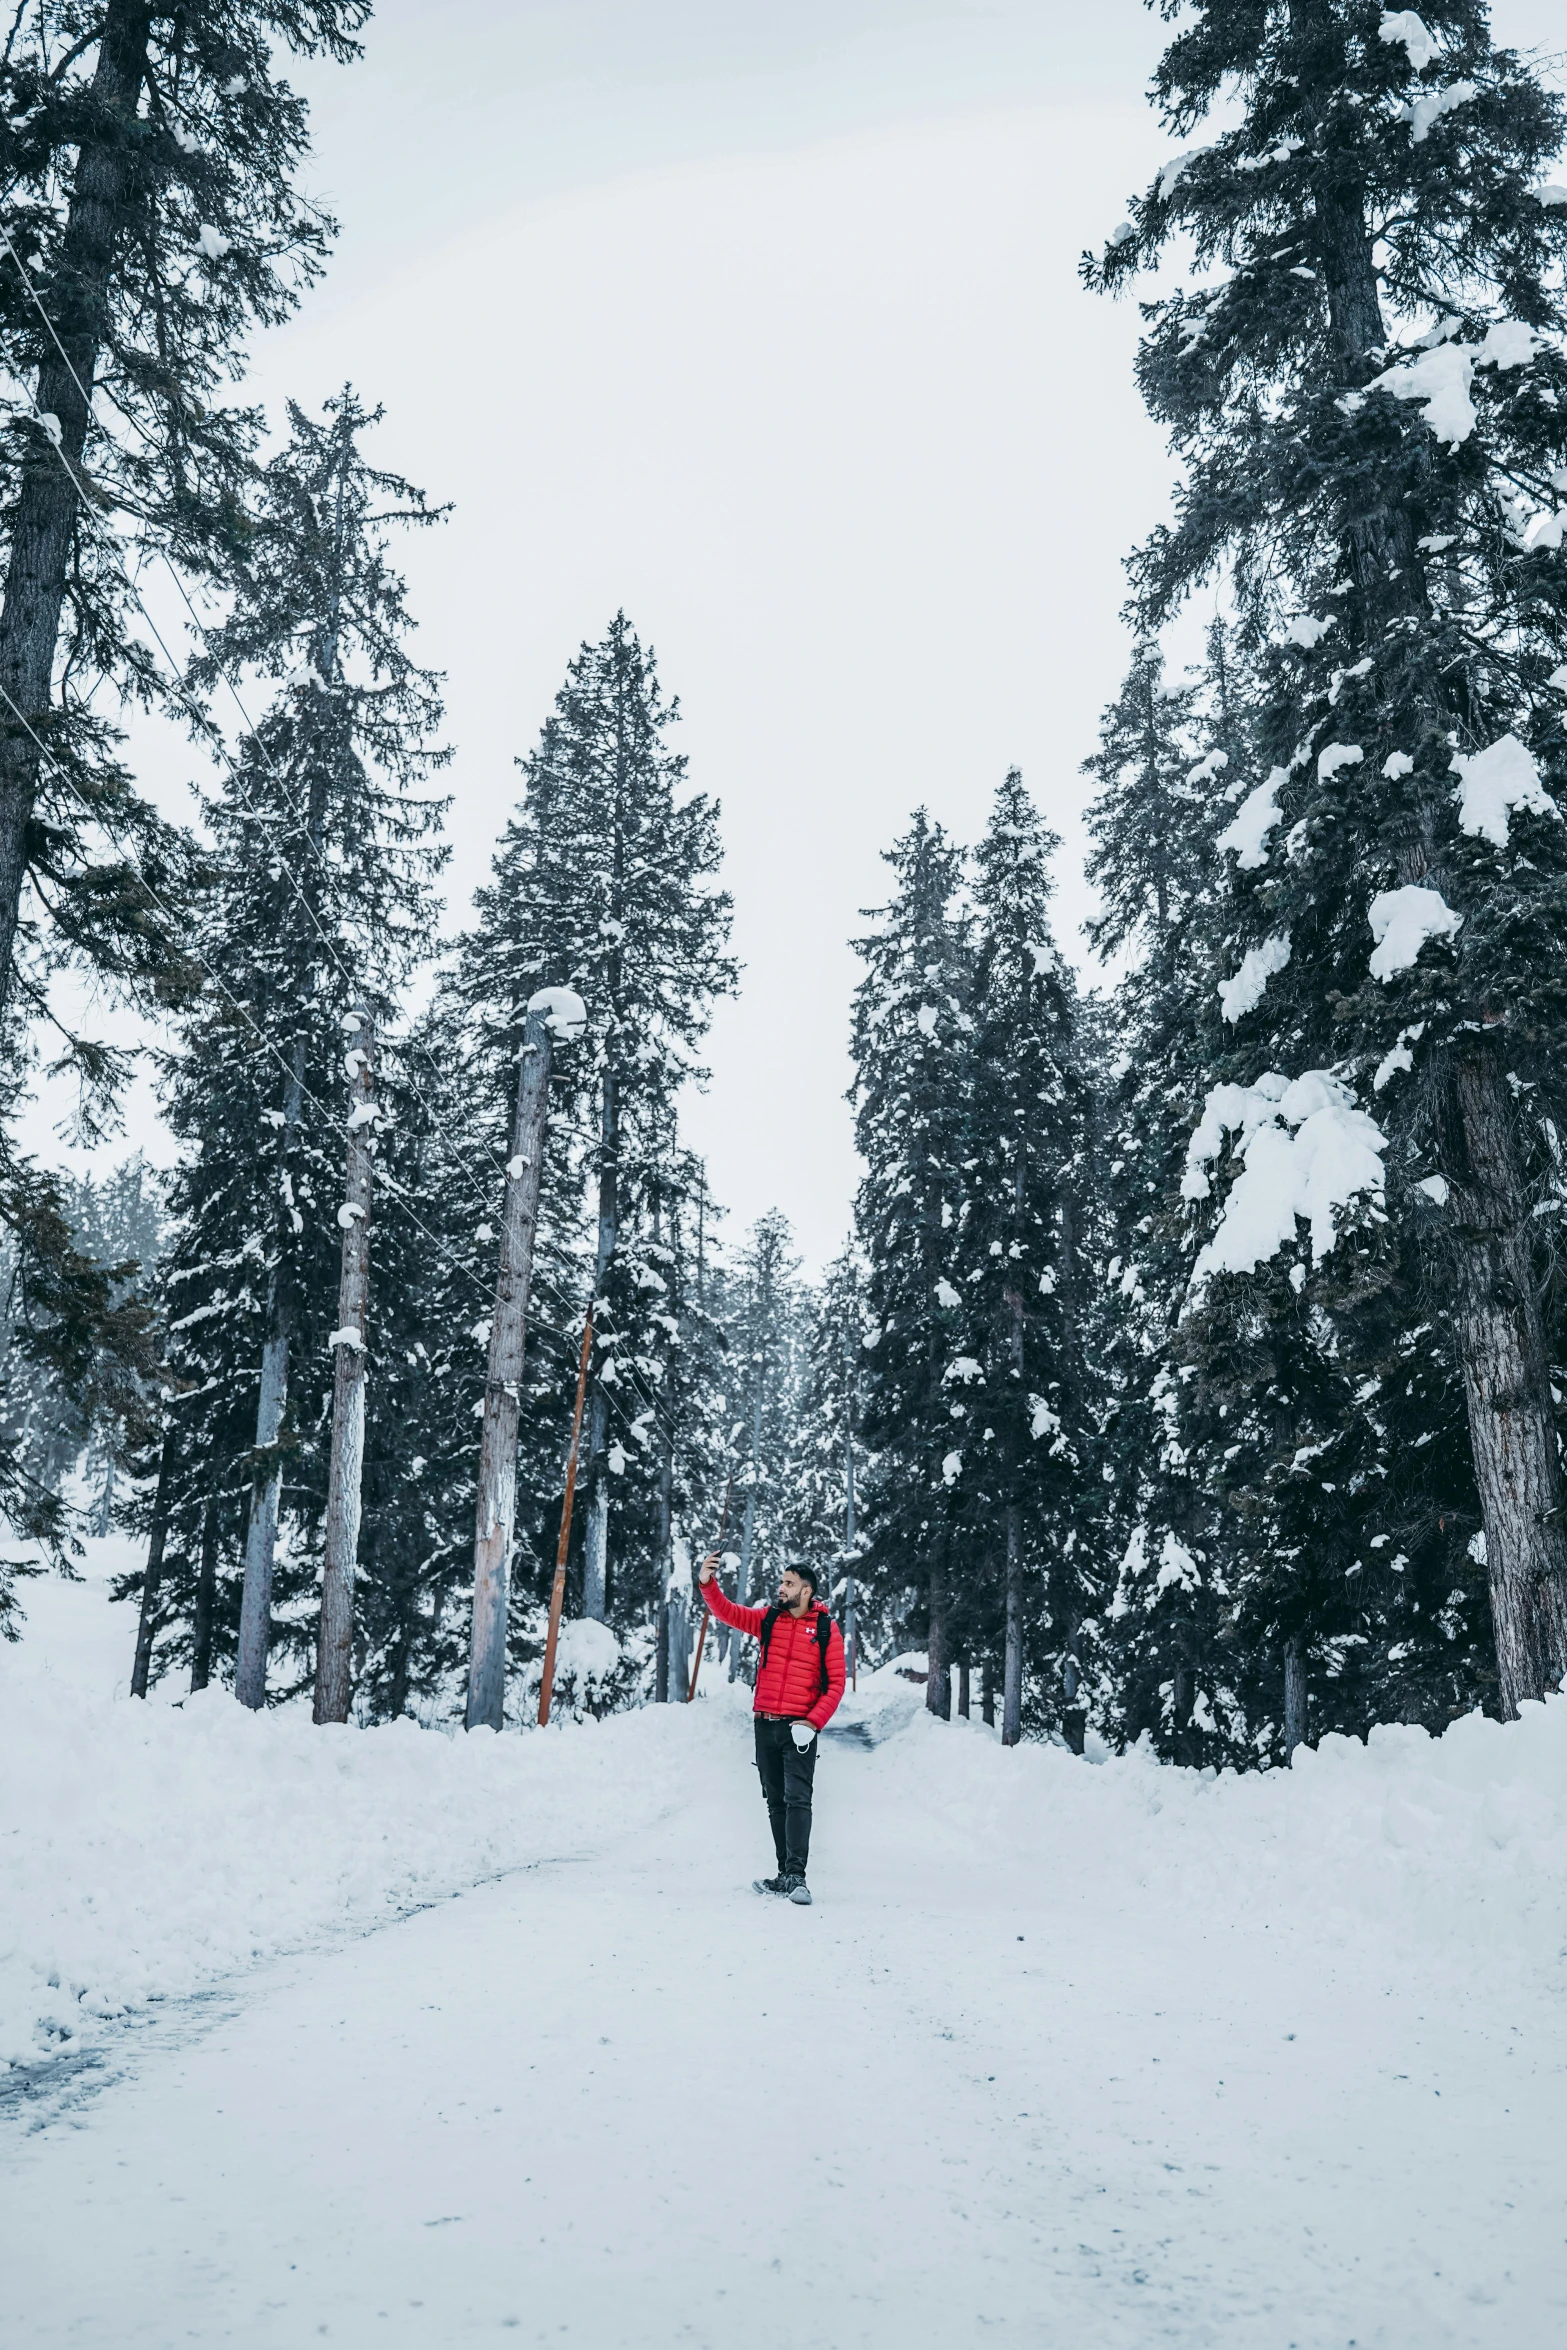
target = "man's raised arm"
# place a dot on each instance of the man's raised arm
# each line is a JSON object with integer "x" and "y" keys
{"x": 739, "y": 1619}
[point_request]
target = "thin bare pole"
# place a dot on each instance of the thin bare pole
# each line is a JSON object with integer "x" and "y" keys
{"x": 558, "y": 1589}
{"x": 701, "y": 1638}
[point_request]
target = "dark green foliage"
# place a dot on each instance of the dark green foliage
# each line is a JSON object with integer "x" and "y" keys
{"x": 323, "y": 856}
{"x": 1369, "y": 425}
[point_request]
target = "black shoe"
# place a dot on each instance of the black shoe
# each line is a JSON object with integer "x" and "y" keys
{"x": 798, "y": 1891}
{"x": 769, "y": 1884}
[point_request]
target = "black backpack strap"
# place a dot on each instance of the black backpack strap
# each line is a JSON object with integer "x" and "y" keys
{"x": 823, "y": 1637}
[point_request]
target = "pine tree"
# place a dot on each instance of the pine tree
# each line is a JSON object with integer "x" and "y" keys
{"x": 1023, "y": 1392}
{"x": 830, "y": 1471}
{"x": 153, "y": 221}
{"x": 764, "y": 1337}
{"x": 1366, "y": 386}
{"x": 912, "y": 1096}
{"x": 1168, "y": 758}
{"x": 604, "y": 881}
{"x": 325, "y": 855}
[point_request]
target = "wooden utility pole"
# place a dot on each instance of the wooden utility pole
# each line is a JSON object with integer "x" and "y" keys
{"x": 563, "y": 1546}
{"x": 335, "y": 1638}
{"x": 497, "y": 1503}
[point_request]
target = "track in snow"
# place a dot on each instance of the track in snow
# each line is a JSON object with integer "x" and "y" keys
{"x": 625, "y": 2102}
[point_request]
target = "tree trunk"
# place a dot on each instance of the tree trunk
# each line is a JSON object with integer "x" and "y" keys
{"x": 44, "y": 529}
{"x": 1182, "y": 1696}
{"x": 748, "y": 1532}
{"x": 106, "y": 1501}
{"x": 595, "y": 1549}
{"x": 987, "y": 1693}
{"x": 679, "y": 1646}
{"x": 1074, "y": 1716}
{"x": 152, "y": 1575}
{"x": 1012, "y": 1693}
{"x": 1294, "y": 1695}
{"x": 666, "y": 1488}
{"x": 963, "y": 1699}
{"x": 851, "y": 1627}
{"x": 1507, "y": 1384}
{"x": 1012, "y": 1683}
{"x": 938, "y": 1681}
{"x": 206, "y": 1594}
{"x": 496, "y": 1515}
{"x": 402, "y": 1658}
{"x": 255, "y": 1610}
{"x": 335, "y": 1637}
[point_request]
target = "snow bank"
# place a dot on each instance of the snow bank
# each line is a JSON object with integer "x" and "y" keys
{"x": 147, "y": 1851}
{"x": 1451, "y": 1847}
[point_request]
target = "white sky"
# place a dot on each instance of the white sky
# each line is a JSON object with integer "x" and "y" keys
{"x": 762, "y": 322}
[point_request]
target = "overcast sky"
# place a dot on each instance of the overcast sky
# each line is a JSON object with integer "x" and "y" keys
{"x": 763, "y": 323}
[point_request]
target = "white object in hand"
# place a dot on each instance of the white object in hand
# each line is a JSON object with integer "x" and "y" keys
{"x": 803, "y": 1735}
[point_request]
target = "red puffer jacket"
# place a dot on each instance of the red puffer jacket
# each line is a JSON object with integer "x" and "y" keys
{"x": 790, "y": 1679}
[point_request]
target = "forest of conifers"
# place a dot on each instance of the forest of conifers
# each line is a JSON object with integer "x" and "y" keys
{"x": 1191, "y": 1368}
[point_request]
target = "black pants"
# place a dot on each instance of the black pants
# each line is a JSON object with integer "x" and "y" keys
{"x": 786, "y": 1789}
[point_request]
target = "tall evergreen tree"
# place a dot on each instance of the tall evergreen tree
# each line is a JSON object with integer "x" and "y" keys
{"x": 829, "y": 1461}
{"x": 912, "y": 1095}
{"x": 1023, "y": 1399}
{"x": 324, "y": 846}
{"x": 153, "y": 221}
{"x": 764, "y": 1339}
{"x": 1367, "y": 387}
{"x": 605, "y": 881}
{"x": 1168, "y": 757}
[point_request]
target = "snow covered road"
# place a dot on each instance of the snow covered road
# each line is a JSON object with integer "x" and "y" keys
{"x": 619, "y": 2100}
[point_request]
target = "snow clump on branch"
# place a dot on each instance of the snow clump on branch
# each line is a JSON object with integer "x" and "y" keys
{"x": 565, "y": 1013}
{"x": 1401, "y": 922}
{"x": 1494, "y": 783}
{"x": 1245, "y": 991}
{"x": 1333, "y": 1156}
{"x": 1404, "y": 25}
{"x": 1248, "y": 830}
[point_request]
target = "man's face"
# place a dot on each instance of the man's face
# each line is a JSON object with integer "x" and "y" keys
{"x": 793, "y": 1590}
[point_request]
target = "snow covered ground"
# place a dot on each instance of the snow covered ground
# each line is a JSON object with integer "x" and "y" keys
{"x": 1064, "y": 2053}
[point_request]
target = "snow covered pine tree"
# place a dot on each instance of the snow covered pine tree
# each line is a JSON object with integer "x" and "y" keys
{"x": 604, "y": 883}
{"x": 1369, "y": 390}
{"x": 322, "y": 906}
{"x": 1020, "y": 1387}
{"x": 913, "y": 1084}
{"x": 150, "y": 220}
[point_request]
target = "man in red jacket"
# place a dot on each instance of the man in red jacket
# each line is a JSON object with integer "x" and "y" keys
{"x": 799, "y": 1681}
